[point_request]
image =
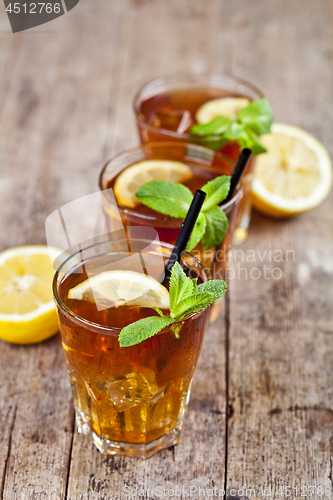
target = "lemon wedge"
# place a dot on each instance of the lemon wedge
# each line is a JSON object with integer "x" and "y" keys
{"x": 122, "y": 288}
{"x": 27, "y": 311}
{"x": 225, "y": 106}
{"x": 294, "y": 176}
{"x": 132, "y": 178}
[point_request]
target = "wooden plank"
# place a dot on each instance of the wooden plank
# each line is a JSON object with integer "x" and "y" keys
{"x": 65, "y": 108}
{"x": 7, "y": 418}
{"x": 280, "y": 363}
{"x": 36, "y": 422}
{"x": 53, "y": 129}
{"x": 280, "y": 359}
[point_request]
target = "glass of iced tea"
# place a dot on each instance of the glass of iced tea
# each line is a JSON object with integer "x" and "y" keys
{"x": 166, "y": 108}
{"x": 203, "y": 165}
{"x": 131, "y": 400}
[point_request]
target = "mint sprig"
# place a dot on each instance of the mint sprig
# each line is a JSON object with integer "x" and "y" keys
{"x": 174, "y": 199}
{"x": 186, "y": 297}
{"x": 252, "y": 121}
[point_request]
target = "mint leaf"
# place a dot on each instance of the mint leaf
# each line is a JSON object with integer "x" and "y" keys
{"x": 216, "y": 227}
{"x": 197, "y": 233}
{"x": 180, "y": 286}
{"x": 235, "y": 131}
{"x": 166, "y": 197}
{"x": 143, "y": 329}
{"x": 201, "y": 299}
{"x": 258, "y": 116}
{"x": 193, "y": 303}
{"x": 251, "y": 140}
{"x": 216, "y": 190}
{"x": 216, "y": 287}
{"x": 217, "y": 126}
{"x": 214, "y": 142}
{"x": 186, "y": 297}
{"x": 247, "y": 138}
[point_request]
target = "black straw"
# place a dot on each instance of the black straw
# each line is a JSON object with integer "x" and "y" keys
{"x": 186, "y": 231}
{"x": 238, "y": 172}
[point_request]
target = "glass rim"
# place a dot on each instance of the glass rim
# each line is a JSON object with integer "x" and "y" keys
{"x": 171, "y": 144}
{"x": 173, "y": 78}
{"x": 108, "y": 329}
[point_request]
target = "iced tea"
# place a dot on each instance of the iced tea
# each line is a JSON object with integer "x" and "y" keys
{"x": 131, "y": 399}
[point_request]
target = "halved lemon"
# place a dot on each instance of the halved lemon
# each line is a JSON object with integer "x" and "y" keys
{"x": 27, "y": 311}
{"x": 225, "y": 106}
{"x": 133, "y": 177}
{"x": 122, "y": 288}
{"x": 295, "y": 174}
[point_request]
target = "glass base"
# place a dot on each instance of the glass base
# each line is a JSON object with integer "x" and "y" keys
{"x": 140, "y": 450}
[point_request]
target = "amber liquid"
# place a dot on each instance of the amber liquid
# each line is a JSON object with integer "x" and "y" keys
{"x": 167, "y": 111}
{"x": 134, "y": 394}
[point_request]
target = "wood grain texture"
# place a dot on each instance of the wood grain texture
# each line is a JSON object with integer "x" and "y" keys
{"x": 281, "y": 350}
{"x": 36, "y": 422}
{"x": 65, "y": 108}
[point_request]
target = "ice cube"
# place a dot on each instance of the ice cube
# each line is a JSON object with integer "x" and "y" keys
{"x": 177, "y": 120}
{"x": 132, "y": 389}
{"x": 185, "y": 123}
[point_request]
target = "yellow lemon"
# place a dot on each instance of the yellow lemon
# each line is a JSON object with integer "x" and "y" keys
{"x": 225, "y": 106}
{"x": 27, "y": 311}
{"x": 122, "y": 288}
{"x": 132, "y": 178}
{"x": 295, "y": 174}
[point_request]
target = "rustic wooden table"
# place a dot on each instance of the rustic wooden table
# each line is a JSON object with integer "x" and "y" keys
{"x": 261, "y": 413}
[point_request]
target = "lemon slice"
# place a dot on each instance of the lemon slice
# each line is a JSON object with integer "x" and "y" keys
{"x": 27, "y": 311}
{"x": 295, "y": 174}
{"x": 122, "y": 288}
{"x": 133, "y": 177}
{"x": 225, "y": 106}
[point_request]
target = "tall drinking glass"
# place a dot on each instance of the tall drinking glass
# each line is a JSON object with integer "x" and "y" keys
{"x": 131, "y": 400}
{"x": 166, "y": 108}
{"x": 205, "y": 165}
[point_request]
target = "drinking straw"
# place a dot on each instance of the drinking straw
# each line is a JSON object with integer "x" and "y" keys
{"x": 185, "y": 232}
{"x": 238, "y": 172}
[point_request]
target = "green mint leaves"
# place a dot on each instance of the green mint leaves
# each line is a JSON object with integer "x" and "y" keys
{"x": 252, "y": 121}
{"x": 166, "y": 197}
{"x": 186, "y": 297}
{"x": 216, "y": 191}
{"x": 174, "y": 199}
{"x": 143, "y": 329}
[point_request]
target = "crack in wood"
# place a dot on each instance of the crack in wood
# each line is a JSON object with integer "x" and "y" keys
{"x": 70, "y": 459}
{"x": 2, "y": 485}
{"x": 227, "y": 331}
{"x": 309, "y": 408}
